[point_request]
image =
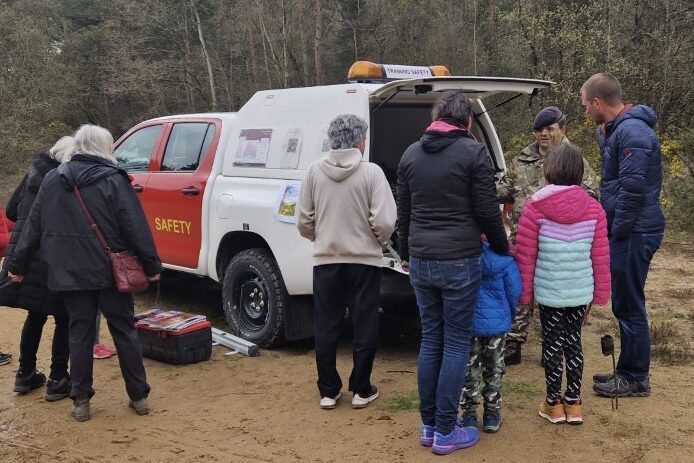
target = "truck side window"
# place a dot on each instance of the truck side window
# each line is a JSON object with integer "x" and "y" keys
{"x": 187, "y": 146}
{"x": 134, "y": 153}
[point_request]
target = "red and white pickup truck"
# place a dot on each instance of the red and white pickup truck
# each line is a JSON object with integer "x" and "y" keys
{"x": 219, "y": 189}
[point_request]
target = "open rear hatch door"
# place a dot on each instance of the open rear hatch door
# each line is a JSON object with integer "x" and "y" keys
{"x": 480, "y": 87}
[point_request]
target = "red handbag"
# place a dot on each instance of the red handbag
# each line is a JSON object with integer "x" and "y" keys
{"x": 128, "y": 273}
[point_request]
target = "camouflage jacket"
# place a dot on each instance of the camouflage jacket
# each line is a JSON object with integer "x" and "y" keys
{"x": 523, "y": 177}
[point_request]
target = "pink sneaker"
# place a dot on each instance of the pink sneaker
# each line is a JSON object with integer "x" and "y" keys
{"x": 102, "y": 352}
{"x": 109, "y": 350}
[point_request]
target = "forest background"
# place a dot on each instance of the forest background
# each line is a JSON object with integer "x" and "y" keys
{"x": 117, "y": 62}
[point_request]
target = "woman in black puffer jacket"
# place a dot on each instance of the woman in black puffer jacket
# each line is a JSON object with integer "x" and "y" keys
{"x": 34, "y": 296}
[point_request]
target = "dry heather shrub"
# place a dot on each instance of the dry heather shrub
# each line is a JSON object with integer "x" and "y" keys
{"x": 668, "y": 346}
{"x": 663, "y": 333}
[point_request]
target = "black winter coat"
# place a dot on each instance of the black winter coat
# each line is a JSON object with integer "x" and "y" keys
{"x": 447, "y": 199}
{"x": 33, "y": 293}
{"x": 70, "y": 249}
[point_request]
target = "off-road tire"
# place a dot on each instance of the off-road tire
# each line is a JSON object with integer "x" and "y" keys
{"x": 255, "y": 271}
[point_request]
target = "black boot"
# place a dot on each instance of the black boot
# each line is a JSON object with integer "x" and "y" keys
{"x": 25, "y": 382}
{"x": 58, "y": 389}
{"x": 512, "y": 353}
{"x": 80, "y": 409}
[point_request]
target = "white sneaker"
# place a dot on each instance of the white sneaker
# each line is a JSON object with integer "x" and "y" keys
{"x": 361, "y": 402}
{"x": 328, "y": 403}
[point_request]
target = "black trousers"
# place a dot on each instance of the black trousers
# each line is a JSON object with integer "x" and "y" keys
{"x": 336, "y": 287}
{"x": 561, "y": 330}
{"x": 31, "y": 339}
{"x": 82, "y": 307}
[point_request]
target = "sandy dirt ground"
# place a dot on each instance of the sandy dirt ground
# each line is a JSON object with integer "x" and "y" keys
{"x": 265, "y": 409}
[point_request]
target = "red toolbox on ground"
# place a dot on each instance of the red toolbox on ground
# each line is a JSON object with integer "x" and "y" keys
{"x": 189, "y": 345}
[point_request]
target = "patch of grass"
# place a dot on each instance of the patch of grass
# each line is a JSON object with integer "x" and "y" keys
{"x": 627, "y": 431}
{"x": 637, "y": 453}
{"x": 600, "y": 314}
{"x": 663, "y": 333}
{"x": 673, "y": 354}
{"x": 668, "y": 345}
{"x": 406, "y": 402}
{"x": 523, "y": 388}
{"x": 684, "y": 294}
{"x": 606, "y": 327}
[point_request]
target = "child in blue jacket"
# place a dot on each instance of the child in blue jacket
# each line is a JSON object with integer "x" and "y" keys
{"x": 499, "y": 295}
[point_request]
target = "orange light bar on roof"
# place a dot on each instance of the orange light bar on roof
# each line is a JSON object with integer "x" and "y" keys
{"x": 440, "y": 71}
{"x": 367, "y": 71}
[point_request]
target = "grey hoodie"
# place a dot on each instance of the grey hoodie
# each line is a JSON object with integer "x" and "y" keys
{"x": 346, "y": 207}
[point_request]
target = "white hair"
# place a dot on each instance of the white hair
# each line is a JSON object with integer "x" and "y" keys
{"x": 63, "y": 149}
{"x": 346, "y": 131}
{"x": 95, "y": 141}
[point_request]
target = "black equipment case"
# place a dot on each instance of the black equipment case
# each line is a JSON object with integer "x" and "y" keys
{"x": 190, "y": 345}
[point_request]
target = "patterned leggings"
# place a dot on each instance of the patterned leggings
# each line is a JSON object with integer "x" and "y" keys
{"x": 561, "y": 329}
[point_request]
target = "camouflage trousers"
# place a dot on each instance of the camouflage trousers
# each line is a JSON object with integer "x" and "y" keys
{"x": 521, "y": 323}
{"x": 486, "y": 363}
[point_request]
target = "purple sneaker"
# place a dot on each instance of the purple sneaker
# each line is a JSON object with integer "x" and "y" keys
{"x": 427, "y": 436}
{"x": 459, "y": 438}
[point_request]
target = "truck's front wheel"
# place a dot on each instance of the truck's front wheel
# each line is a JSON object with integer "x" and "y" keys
{"x": 254, "y": 297}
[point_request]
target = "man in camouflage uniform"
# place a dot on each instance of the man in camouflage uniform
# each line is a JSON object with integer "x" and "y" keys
{"x": 522, "y": 179}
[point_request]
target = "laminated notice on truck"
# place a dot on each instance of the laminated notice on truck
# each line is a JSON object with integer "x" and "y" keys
{"x": 292, "y": 149}
{"x": 285, "y": 207}
{"x": 253, "y": 148}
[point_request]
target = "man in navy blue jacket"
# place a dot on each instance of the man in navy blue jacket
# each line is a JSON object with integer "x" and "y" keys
{"x": 630, "y": 193}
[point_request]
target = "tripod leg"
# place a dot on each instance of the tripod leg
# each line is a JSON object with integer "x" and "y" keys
{"x": 614, "y": 376}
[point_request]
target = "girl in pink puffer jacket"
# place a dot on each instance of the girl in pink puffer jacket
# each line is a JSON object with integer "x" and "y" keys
{"x": 564, "y": 259}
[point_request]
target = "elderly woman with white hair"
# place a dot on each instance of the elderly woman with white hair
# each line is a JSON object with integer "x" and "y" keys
{"x": 33, "y": 294}
{"x": 77, "y": 266}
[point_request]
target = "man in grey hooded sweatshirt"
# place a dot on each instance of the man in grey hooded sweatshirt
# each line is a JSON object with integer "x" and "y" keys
{"x": 347, "y": 209}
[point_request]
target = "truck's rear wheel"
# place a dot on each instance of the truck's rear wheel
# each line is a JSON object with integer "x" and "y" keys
{"x": 254, "y": 297}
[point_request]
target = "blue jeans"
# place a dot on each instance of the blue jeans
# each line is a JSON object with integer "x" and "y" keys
{"x": 447, "y": 293}
{"x": 630, "y": 259}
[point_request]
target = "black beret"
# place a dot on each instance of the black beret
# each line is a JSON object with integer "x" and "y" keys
{"x": 547, "y": 116}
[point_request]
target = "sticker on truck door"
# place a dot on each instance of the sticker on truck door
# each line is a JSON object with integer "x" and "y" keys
{"x": 287, "y": 198}
{"x": 254, "y": 145}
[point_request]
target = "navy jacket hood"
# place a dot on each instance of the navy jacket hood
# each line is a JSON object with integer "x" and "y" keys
{"x": 640, "y": 112}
